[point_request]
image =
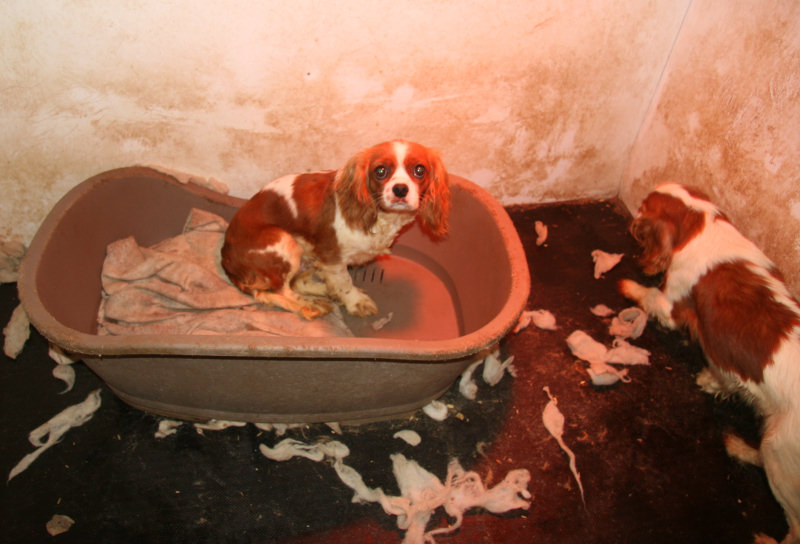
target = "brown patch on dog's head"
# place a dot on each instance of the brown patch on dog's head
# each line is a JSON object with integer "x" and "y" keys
{"x": 663, "y": 225}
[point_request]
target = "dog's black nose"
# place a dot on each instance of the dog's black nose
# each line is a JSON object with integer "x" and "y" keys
{"x": 400, "y": 190}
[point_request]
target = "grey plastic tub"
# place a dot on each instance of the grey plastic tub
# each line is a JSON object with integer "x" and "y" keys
{"x": 450, "y": 301}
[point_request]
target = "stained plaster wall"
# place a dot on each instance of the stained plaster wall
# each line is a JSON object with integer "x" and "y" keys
{"x": 726, "y": 119}
{"x": 536, "y": 101}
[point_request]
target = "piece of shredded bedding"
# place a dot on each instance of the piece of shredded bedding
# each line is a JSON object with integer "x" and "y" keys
{"x": 59, "y": 524}
{"x": 541, "y": 232}
{"x": 437, "y": 410}
{"x": 603, "y": 262}
{"x": 56, "y": 428}
{"x": 177, "y": 286}
{"x": 601, "y": 310}
{"x": 629, "y": 323}
{"x": 553, "y": 421}
{"x": 600, "y": 357}
{"x": 543, "y": 319}
{"x": 410, "y": 437}
{"x": 16, "y": 332}
{"x": 421, "y": 492}
{"x": 493, "y": 371}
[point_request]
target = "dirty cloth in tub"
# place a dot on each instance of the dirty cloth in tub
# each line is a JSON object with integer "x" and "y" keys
{"x": 179, "y": 287}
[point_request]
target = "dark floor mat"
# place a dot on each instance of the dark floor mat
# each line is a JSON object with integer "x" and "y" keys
{"x": 649, "y": 452}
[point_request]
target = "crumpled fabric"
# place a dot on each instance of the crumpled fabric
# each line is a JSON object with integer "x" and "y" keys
{"x": 178, "y": 287}
{"x": 421, "y": 492}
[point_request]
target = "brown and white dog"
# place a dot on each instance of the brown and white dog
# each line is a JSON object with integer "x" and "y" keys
{"x": 297, "y": 236}
{"x": 730, "y": 297}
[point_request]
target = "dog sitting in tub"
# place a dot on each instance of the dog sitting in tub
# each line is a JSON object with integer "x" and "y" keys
{"x": 731, "y": 298}
{"x": 290, "y": 245}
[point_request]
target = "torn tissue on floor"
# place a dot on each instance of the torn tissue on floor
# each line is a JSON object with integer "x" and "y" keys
{"x": 16, "y": 332}
{"x": 178, "y": 287}
{"x": 543, "y": 319}
{"x": 553, "y": 421}
{"x": 56, "y": 428}
{"x": 600, "y": 358}
{"x": 421, "y": 493}
{"x": 603, "y": 261}
{"x": 629, "y": 323}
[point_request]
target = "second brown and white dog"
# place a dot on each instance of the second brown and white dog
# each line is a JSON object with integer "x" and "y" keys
{"x": 731, "y": 298}
{"x": 290, "y": 244}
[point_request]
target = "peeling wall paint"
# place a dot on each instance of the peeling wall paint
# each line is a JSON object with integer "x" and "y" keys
{"x": 727, "y": 120}
{"x": 536, "y": 101}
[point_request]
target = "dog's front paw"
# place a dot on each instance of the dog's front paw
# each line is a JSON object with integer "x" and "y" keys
{"x": 631, "y": 290}
{"x": 708, "y": 382}
{"x": 761, "y": 538}
{"x": 740, "y": 450}
{"x": 359, "y": 304}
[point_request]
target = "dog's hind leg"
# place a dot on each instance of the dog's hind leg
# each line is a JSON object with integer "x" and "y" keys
{"x": 306, "y": 307}
{"x": 780, "y": 451}
{"x": 307, "y": 283}
{"x": 290, "y": 255}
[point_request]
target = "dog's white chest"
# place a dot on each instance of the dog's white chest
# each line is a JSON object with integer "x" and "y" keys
{"x": 357, "y": 246}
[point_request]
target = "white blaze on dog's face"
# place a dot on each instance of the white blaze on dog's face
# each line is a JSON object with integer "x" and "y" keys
{"x": 400, "y": 173}
{"x": 396, "y": 177}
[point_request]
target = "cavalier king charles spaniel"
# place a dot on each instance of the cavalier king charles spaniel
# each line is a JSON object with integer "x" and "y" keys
{"x": 290, "y": 244}
{"x": 730, "y": 297}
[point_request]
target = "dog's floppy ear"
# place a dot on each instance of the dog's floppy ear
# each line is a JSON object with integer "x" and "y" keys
{"x": 356, "y": 202}
{"x": 664, "y": 225}
{"x": 656, "y": 237}
{"x": 434, "y": 210}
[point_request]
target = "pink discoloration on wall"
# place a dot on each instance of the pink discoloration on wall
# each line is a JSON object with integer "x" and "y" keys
{"x": 535, "y": 100}
{"x": 727, "y": 120}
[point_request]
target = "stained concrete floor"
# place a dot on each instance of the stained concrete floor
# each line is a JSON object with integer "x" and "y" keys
{"x": 649, "y": 452}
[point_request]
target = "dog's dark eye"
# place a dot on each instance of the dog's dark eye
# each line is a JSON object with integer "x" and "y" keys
{"x": 419, "y": 171}
{"x": 381, "y": 172}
